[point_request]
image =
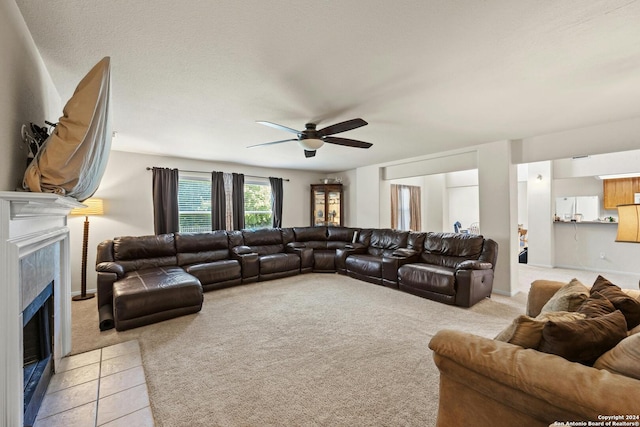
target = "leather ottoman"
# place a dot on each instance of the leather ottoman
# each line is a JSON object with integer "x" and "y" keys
{"x": 151, "y": 295}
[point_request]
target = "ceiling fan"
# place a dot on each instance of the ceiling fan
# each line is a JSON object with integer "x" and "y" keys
{"x": 311, "y": 139}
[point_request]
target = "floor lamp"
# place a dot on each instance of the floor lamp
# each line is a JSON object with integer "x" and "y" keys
{"x": 93, "y": 207}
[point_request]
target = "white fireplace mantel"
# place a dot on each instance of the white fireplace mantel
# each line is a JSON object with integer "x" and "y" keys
{"x": 28, "y": 223}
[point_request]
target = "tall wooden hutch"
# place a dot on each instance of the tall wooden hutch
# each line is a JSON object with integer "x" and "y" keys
{"x": 327, "y": 206}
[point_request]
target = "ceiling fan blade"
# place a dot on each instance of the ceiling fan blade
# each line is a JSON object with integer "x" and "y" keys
{"x": 342, "y": 127}
{"x": 347, "y": 142}
{"x": 271, "y": 143}
{"x": 277, "y": 126}
{"x": 309, "y": 153}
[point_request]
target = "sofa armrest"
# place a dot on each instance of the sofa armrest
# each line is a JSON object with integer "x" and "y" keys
{"x": 356, "y": 246}
{"x": 305, "y": 254}
{"x": 296, "y": 245}
{"x": 493, "y": 383}
{"x": 472, "y": 264}
{"x": 111, "y": 267}
{"x": 540, "y": 292}
{"x": 242, "y": 250}
{"x": 391, "y": 264}
{"x": 343, "y": 253}
{"x": 404, "y": 253}
{"x": 472, "y": 286}
{"x": 249, "y": 262}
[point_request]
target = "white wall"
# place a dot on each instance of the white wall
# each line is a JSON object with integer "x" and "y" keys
{"x": 370, "y": 197}
{"x": 599, "y": 164}
{"x": 349, "y": 188}
{"x": 126, "y": 190}
{"x": 27, "y": 93}
{"x": 497, "y": 181}
{"x": 462, "y": 199}
{"x": 540, "y": 203}
{"x": 593, "y": 247}
{"x": 433, "y": 202}
{"x": 610, "y": 137}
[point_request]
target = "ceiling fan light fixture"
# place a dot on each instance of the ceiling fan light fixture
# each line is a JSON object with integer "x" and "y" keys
{"x": 311, "y": 143}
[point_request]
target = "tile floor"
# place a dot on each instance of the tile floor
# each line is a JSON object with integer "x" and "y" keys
{"x": 104, "y": 387}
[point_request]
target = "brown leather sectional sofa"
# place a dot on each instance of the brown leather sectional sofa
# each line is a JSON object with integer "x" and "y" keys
{"x": 147, "y": 279}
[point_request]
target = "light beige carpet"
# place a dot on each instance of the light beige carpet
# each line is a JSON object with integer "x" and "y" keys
{"x": 310, "y": 350}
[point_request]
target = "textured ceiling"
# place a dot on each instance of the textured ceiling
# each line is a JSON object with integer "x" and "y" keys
{"x": 190, "y": 78}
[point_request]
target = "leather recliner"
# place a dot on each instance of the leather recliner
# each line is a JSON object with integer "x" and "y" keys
{"x": 364, "y": 261}
{"x": 323, "y": 241}
{"x": 272, "y": 259}
{"x": 453, "y": 268}
{"x": 207, "y": 257}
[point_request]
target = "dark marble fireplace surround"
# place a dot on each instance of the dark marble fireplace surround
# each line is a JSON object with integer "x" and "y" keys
{"x": 38, "y": 271}
{"x": 37, "y": 345}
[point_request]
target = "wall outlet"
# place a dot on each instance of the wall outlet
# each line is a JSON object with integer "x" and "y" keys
{"x": 602, "y": 255}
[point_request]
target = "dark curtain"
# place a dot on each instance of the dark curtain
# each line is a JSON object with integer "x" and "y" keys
{"x": 276, "y": 200}
{"x": 238, "y": 201}
{"x": 218, "y": 205}
{"x": 166, "y": 218}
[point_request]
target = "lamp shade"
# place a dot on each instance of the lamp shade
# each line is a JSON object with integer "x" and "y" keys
{"x": 628, "y": 223}
{"x": 92, "y": 207}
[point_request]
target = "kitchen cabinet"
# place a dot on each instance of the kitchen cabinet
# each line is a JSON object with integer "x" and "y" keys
{"x": 619, "y": 191}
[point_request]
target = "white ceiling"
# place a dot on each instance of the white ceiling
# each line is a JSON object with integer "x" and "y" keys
{"x": 191, "y": 77}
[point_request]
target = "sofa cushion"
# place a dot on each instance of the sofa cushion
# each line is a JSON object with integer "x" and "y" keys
{"x": 215, "y": 272}
{"x": 137, "y": 253}
{"x": 526, "y": 331}
{"x": 342, "y": 234}
{"x": 264, "y": 237}
{"x": 450, "y": 249}
{"x": 305, "y": 234}
{"x": 201, "y": 247}
{"x": 623, "y": 359}
{"x": 131, "y": 247}
{"x": 585, "y": 340}
{"x": 454, "y": 244}
{"x": 596, "y": 305}
{"x": 629, "y": 306}
{"x": 568, "y": 298}
{"x": 365, "y": 264}
{"x": 384, "y": 241}
{"x": 276, "y": 263}
{"x": 429, "y": 277}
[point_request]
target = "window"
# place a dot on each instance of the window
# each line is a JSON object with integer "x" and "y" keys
{"x": 405, "y": 207}
{"x": 404, "y": 210}
{"x": 194, "y": 204}
{"x": 257, "y": 205}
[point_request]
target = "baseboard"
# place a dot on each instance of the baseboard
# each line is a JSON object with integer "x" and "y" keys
{"x": 504, "y": 293}
{"x": 598, "y": 270}
{"x": 89, "y": 291}
{"x": 542, "y": 265}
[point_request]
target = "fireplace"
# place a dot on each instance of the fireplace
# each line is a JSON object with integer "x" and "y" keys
{"x": 37, "y": 351}
{"x": 35, "y": 298}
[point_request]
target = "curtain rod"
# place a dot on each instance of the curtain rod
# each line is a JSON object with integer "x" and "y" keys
{"x": 250, "y": 176}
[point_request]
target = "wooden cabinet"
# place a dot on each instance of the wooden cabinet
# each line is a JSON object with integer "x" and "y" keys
{"x": 327, "y": 207}
{"x": 619, "y": 191}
